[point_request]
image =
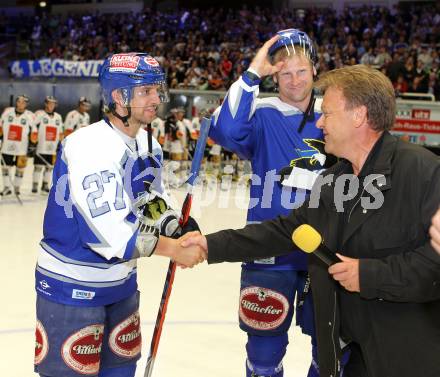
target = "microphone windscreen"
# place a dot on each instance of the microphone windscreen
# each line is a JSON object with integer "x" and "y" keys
{"x": 306, "y": 238}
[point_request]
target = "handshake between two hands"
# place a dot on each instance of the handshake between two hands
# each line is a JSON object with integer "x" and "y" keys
{"x": 190, "y": 249}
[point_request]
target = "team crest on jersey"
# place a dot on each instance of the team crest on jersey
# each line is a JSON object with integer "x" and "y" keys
{"x": 10, "y": 118}
{"x": 310, "y": 158}
{"x": 124, "y": 63}
{"x": 45, "y": 120}
{"x": 23, "y": 122}
{"x": 57, "y": 122}
{"x": 41, "y": 343}
{"x": 125, "y": 339}
{"x": 262, "y": 309}
{"x": 151, "y": 61}
{"x": 81, "y": 350}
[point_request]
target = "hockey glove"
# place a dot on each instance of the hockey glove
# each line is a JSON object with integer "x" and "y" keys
{"x": 190, "y": 226}
{"x": 157, "y": 213}
{"x": 146, "y": 241}
{"x": 156, "y": 219}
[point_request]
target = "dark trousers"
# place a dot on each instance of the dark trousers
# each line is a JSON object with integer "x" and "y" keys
{"x": 356, "y": 364}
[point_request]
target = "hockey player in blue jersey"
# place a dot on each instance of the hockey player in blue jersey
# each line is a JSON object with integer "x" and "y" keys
{"x": 280, "y": 138}
{"x": 106, "y": 209}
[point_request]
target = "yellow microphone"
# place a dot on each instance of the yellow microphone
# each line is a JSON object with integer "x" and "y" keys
{"x": 310, "y": 241}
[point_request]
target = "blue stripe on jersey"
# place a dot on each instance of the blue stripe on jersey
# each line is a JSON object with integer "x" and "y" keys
{"x": 131, "y": 244}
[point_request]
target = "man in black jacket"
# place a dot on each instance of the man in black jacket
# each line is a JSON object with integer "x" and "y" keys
{"x": 374, "y": 209}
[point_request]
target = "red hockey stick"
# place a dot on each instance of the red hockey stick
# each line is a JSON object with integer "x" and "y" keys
{"x": 186, "y": 208}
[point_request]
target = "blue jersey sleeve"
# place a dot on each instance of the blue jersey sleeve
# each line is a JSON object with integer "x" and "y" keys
{"x": 234, "y": 124}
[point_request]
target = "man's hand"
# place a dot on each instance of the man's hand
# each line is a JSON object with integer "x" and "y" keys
{"x": 346, "y": 273}
{"x": 189, "y": 256}
{"x": 261, "y": 64}
{"x": 183, "y": 256}
{"x": 194, "y": 239}
{"x": 434, "y": 231}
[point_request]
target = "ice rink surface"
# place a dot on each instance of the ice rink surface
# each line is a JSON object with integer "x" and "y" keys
{"x": 200, "y": 337}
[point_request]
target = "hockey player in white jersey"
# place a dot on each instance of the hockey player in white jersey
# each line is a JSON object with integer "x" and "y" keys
{"x": 212, "y": 156}
{"x": 278, "y": 135}
{"x": 188, "y": 140}
{"x": 78, "y": 117}
{"x": 158, "y": 128}
{"x": 190, "y": 136}
{"x": 106, "y": 208}
{"x": 17, "y": 128}
{"x": 50, "y": 132}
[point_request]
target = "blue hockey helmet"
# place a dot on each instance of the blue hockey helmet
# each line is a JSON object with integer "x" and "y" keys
{"x": 294, "y": 38}
{"x": 127, "y": 71}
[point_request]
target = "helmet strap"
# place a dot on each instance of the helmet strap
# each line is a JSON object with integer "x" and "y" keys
{"x": 309, "y": 114}
{"x": 123, "y": 118}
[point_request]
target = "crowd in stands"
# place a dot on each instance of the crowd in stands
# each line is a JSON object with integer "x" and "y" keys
{"x": 210, "y": 48}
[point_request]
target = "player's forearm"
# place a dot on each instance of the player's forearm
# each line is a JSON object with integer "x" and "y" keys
{"x": 148, "y": 245}
{"x": 184, "y": 257}
{"x": 166, "y": 247}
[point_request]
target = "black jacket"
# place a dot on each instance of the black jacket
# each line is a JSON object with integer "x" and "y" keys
{"x": 396, "y": 316}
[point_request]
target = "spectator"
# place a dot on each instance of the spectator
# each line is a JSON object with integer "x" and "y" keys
{"x": 400, "y": 86}
{"x": 395, "y": 67}
{"x": 409, "y": 31}
{"x": 369, "y": 57}
{"x": 382, "y": 57}
{"x": 409, "y": 71}
{"x": 216, "y": 82}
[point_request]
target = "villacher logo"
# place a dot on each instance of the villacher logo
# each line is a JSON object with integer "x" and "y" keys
{"x": 262, "y": 309}
{"x": 81, "y": 351}
{"x": 41, "y": 343}
{"x": 125, "y": 339}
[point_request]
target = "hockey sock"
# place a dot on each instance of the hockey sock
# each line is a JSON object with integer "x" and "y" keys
{"x": 265, "y": 355}
{"x": 18, "y": 179}
{"x": 36, "y": 174}
{"x": 47, "y": 175}
{"x": 5, "y": 174}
